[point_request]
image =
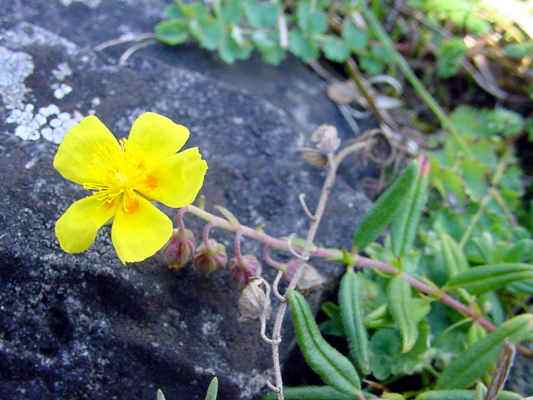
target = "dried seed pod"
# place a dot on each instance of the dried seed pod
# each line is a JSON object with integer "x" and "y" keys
{"x": 310, "y": 278}
{"x": 253, "y": 301}
{"x": 326, "y": 139}
{"x": 342, "y": 92}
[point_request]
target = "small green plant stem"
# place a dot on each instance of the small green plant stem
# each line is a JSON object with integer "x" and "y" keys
{"x": 417, "y": 85}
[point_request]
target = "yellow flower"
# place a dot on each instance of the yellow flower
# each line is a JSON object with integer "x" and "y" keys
{"x": 126, "y": 176}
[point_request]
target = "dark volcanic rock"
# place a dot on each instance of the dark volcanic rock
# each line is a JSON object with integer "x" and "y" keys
{"x": 85, "y": 327}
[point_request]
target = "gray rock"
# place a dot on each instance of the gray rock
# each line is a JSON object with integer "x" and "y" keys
{"x": 84, "y": 326}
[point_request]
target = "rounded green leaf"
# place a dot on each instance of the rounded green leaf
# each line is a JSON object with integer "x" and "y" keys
{"x": 261, "y": 15}
{"x": 355, "y": 38}
{"x": 450, "y": 57}
{"x": 208, "y": 31}
{"x": 172, "y": 31}
{"x": 302, "y": 46}
{"x": 335, "y": 49}
{"x": 311, "y": 21}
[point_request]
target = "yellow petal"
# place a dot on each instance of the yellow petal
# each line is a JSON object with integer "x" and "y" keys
{"x": 76, "y": 228}
{"x": 176, "y": 180}
{"x": 156, "y": 137}
{"x": 139, "y": 229}
{"x": 87, "y": 153}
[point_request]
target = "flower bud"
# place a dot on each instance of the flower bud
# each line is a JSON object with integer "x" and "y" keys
{"x": 310, "y": 277}
{"x": 179, "y": 249}
{"x": 326, "y": 139}
{"x": 210, "y": 258}
{"x": 244, "y": 268}
{"x": 253, "y": 301}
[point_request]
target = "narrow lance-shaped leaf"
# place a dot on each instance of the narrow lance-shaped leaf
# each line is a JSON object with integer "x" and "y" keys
{"x": 383, "y": 210}
{"x": 310, "y": 393}
{"x": 400, "y": 306}
{"x": 466, "y": 368}
{"x": 405, "y": 221}
{"x": 352, "y": 317}
{"x": 453, "y": 255}
{"x": 525, "y": 287}
{"x": 334, "y": 369}
{"x": 212, "y": 390}
{"x": 463, "y": 395}
{"x": 490, "y": 277}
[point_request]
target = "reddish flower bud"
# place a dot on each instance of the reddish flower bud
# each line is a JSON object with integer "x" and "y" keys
{"x": 210, "y": 258}
{"x": 179, "y": 249}
{"x": 244, "y": 268}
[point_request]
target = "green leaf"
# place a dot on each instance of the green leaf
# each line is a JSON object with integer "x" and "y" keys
{"x": 450, "y": 57}
{"x": 453, "y": 255}
{"x": 193, "y": 10}
{"x": 405, "y": 220}
{"x": 172, "y": 11}
{"x": 384, "y": 344}
{"x": 310, "y": 393}
{"x": 463, "y": 395}
{"x": 522, "y": 287}
{"x": 350, "y": 293}
{"x": 400, "y": 306}
{"x": 208, "y": 31}
{"x": 507, "y": 122}
{"x": 230, "y": 10}
{"x": 212, "y": 390}
{"x": 467, "y": 121}
{"x": 521, "y": 251}
{"x": 335, "y": 49}
{"x": 474, "y": 174}
{"x": 334, "y": 369}
{"x": 261, "y": 15}
{"x": 356, "y": 39}
{"x": 491, "y": 277}
{"x": 518, "y": 51}
{"x": 311, "y": 21}
{"x": 302, "y": 46}
{"x": 479, "y": 359}
{"x": 268, "y": 46}
{"x": 332, "y": 327}
{"x": 370, "y": 65}
{"x": 233, "y": 47}
{"x": 172, "y": 31}
{"x": 385, "y": 207}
